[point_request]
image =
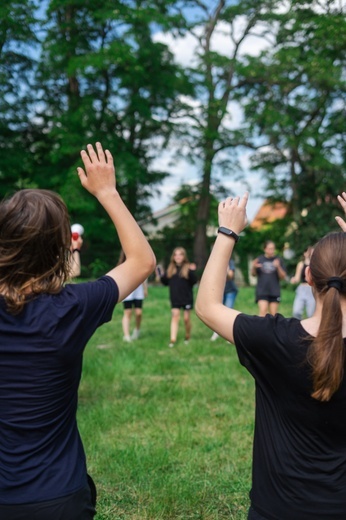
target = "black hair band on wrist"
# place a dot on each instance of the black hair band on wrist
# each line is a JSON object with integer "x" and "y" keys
{"x": 75, "y": 250}
{"x": 228, "y": 232}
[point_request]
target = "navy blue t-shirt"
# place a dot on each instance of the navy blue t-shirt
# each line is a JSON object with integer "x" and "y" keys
{"x": 41, "y": 350}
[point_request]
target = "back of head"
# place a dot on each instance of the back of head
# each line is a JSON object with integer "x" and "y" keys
{"x": 326, "y": 353}
{"x": 35, "y": 238}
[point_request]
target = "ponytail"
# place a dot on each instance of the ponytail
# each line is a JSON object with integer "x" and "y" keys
{"x": 326, "y": 353}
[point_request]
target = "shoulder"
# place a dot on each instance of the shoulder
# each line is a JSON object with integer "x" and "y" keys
{"x": 254, "y": 332}
{"x": 105, "y": 285}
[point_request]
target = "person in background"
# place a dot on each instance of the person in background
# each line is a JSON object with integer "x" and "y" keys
{"x": 304, "y": 298}
{"x": 133, "y": 302}
{"x": 45, "y": 326}
{"x": 230, "y": 291}
{"x": 269, "y": 269}
{"x": 180, "y": 277}
{"x": 299, "y": 453}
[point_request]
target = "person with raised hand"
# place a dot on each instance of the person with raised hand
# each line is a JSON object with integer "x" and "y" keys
{"x": 45, "y": 325}
{"x": 299, "y": 453}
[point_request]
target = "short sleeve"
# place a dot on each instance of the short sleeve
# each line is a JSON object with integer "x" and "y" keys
{"x": 263, "y": 342}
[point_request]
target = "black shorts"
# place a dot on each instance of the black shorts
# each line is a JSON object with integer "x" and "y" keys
{"x": 78, "y": 506}
{"x": 185, "y": 306}
{"x": 137, "y": 304}
{"x": 268, "y": 298}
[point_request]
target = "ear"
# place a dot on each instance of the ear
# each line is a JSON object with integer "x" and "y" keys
{"x": 308, "y": 277}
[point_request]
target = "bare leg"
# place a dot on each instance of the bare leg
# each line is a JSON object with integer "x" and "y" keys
{"x": 138, "y": 313}
{"x": 263, "y": 307}
{"x": 187, "y": 323}
{"x": 138, "y": 319}
{"x": 126, "y": 324}
{"x": 273, "y": 308}
{"x": 175, "y": 324}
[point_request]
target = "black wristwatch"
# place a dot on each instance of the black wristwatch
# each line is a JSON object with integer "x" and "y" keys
{"x": 228, "y": 232}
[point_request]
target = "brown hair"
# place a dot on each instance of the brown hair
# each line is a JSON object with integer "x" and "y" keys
{"x": 172, "y": 266}
{"x": 35, "y": 239}
{"x": 326, "y": 353}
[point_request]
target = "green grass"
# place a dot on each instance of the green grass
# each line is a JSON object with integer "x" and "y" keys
{"x": 168, "y": 432}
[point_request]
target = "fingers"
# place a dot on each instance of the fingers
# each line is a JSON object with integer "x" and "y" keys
{"x": 342, "y": 200}
{"x": 100, "y": 152}
{"x": 341, "y": 223}
{"x": 237, "y": 201}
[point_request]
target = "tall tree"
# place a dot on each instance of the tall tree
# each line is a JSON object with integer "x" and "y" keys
{"x": 18, "y": 46}
{"x": 298, "y": 103}
{"x": 209, "y": 137}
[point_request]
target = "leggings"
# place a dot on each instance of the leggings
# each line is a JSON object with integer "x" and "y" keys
{"x": 78, "y": 506}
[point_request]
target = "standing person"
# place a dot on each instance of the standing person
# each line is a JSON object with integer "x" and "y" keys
{"x": 44, "y": 328}
{"x": 304, "y": 298}
{"x": 230, "y": 291}
{"x": 299, "y": 453}
{"x": 269, "y": 270}
{"x": 180, "y": 277}
{"x": 134, "y": 301}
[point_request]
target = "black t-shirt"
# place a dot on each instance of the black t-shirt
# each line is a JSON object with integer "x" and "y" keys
{"x": 268, "y": 281}
{"x": 299, "y": 458}
{"x": 180, "y": 289}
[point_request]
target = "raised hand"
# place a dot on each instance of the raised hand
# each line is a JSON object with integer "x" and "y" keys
{"x": 99, "y": 174}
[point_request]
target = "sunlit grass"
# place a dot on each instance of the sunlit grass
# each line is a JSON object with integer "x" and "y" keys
{"x": 168, "y": 432}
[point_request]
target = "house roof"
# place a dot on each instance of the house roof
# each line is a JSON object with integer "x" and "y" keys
{"x": 269, "y": 212}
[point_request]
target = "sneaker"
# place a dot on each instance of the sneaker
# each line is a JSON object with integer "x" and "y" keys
{"x": 171, "y": 344}
{"x": 135, "y": 334}
{"x": 214, "y": 336}
{"x": 186, "y": 341}
{"x": 127, "y": 339}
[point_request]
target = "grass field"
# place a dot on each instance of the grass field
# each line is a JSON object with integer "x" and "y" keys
{"x": 168, "y": 432}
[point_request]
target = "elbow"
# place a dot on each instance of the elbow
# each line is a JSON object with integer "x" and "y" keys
{"x": 199, "y": 310}
{"x": 150, "y": 265}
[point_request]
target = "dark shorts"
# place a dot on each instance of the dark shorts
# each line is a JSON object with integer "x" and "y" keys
{"x": 78, "y": 506}
{"x": 185, "y": 307}
{"x": 268, "y": 298}
{"x": 137, "y": 304}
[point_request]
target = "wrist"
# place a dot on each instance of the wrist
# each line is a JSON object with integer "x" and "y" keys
{"x": 228, "y": 232}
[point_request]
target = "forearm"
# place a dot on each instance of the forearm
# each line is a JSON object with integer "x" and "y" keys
{"x": 75, "y": 268}
{"x": 212, "y": 284}
{"x": 132, "y": 239}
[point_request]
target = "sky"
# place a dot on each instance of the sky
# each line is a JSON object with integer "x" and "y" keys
{"x": 180, "y": 170}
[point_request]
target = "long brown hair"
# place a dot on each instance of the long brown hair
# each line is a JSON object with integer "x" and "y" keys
{"x": 326, "y": 353}
{"x": 35, "y": 239}
{"x": 172, "y": 266}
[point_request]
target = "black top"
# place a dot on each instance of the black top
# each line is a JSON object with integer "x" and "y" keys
{"x": 180, "y": 289}
{"x": 268, "y": 281}
{"x": 299, "y": 458}
{"x": 302, "y": 275}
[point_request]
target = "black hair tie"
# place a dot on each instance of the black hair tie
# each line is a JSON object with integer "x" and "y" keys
{"x": 336, "y": 282}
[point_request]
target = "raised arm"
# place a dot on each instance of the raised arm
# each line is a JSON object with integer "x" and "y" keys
{"x": 209, "y": 306}
{"x": 98, "y": 177}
